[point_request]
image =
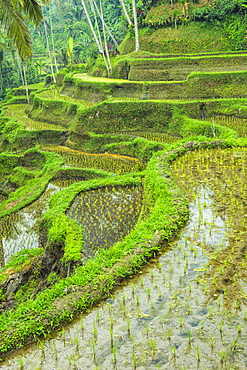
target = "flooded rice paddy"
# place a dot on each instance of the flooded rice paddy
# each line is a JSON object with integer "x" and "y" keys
{"x": 106, "y": 214}
{"x": 19, "y": 230}
{"x": 187, "y": 309}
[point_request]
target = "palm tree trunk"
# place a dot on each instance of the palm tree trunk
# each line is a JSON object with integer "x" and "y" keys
{"x": 49, "y": 52}
{"x": 53, "y": 46}
{"x": 137, "y": 44}
{"x": 25, "y": 81}
{"x": 105, "y": 25}
{"x": 125, "y": 12}
{"x": 20, "y": 70}
{"x": 99, "y": 37}
{"x": 91, "y": 27}
{"x": 104, "y": 35}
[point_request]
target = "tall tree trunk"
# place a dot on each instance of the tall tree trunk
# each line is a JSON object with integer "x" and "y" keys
{"x": 52, "y": 43}
{"x": 91, "y": 27}
{"x": 105, "y": 25}
{"x": 25, "y": 80}
{"x": 137, "y": 44}
{"x": 125, "y": 12}
{"x": 99, "y": 37}
{"x": 20, "y": 70}
{"x": 49, "y": 52}
{"x": 105, "y": 42}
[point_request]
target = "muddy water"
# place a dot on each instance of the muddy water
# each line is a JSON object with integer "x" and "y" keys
{"x": 187, "y": 310}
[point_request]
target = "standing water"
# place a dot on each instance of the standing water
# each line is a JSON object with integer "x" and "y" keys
{"x": 186, "y": 310}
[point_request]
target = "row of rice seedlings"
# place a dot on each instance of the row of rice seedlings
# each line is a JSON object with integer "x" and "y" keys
{"x": 142, "y": 314}
{"x": 236, "y": 123}
{"x": 17, "y": 111}
{"x": 151, "y": 332}
{"x": 109, "y": 162}
{"x": 54, "y": 94}
{"x": 227, "y": 181}
{"x": 160, "y": 137}
{"x": 107, "y": 214}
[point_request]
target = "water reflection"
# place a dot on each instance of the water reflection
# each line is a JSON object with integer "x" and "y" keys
{"x": 187, "y": 310}
{"x": 19, "y": 230}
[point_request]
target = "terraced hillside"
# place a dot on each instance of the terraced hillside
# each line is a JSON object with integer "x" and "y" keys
{"x": 110, "y": 151}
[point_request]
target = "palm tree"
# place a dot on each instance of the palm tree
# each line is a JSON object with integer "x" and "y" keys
{"x": 13, "y": 15}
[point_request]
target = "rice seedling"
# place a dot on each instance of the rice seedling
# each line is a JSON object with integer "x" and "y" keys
{"x": 133, "y": 289}
{"x": 211, "y": 313}
{"x": 188, "y": 309}
{"x": 169, "y": 333}
{"x": 234, "y": 344}
{"x": 142, "y": 282}
{"x": 98, "y": 317}
{"x": 236, "y": 304}
{"x": 128, "y": 326}
{"x": 189, "y": 337}
{"x": 114, "y": 352}
{"x": 76, "y": 340}
{"x": 181, "y": 323}
{"x": 174, "y": 351}
{"x": 148, "y": 293}
{"x": 223, "y": 356}
{"x": 198, "y": 354}
{"x": 134, "y": 359}
{"x": 153, "y": 345}
{"x": 42, "y": 346}
{"x": 95, "y": 331}
{"x": 93, "y": 350}
{"x": 20, "y": 361}
{"x": 212, "y": 340}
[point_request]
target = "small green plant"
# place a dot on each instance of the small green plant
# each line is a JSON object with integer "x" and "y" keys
{"x": 212, "y": 340}
{"x": 76, "y": 344}
{"x": 174, "y": 350}
{"x": 21, "y": 363}
{"x": 189, "y": 336}
{"x": 239, "y": 329}
{"x": 169, "y": 333}
{"x": 153, "y": 345}
{"x": 198, "y": 354}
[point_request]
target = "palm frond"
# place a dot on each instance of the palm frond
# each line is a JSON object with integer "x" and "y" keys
{"x": 15, "y": 28}
{"x": 33, "y": 11}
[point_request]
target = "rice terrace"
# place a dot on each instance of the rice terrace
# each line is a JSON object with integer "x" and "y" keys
{"x": 123, "y": 191}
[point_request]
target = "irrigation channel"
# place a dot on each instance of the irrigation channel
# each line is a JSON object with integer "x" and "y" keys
{"x": 187, "y": 309}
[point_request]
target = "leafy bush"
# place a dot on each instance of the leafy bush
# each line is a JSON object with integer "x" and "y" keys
{"x": 219, "y": 10}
